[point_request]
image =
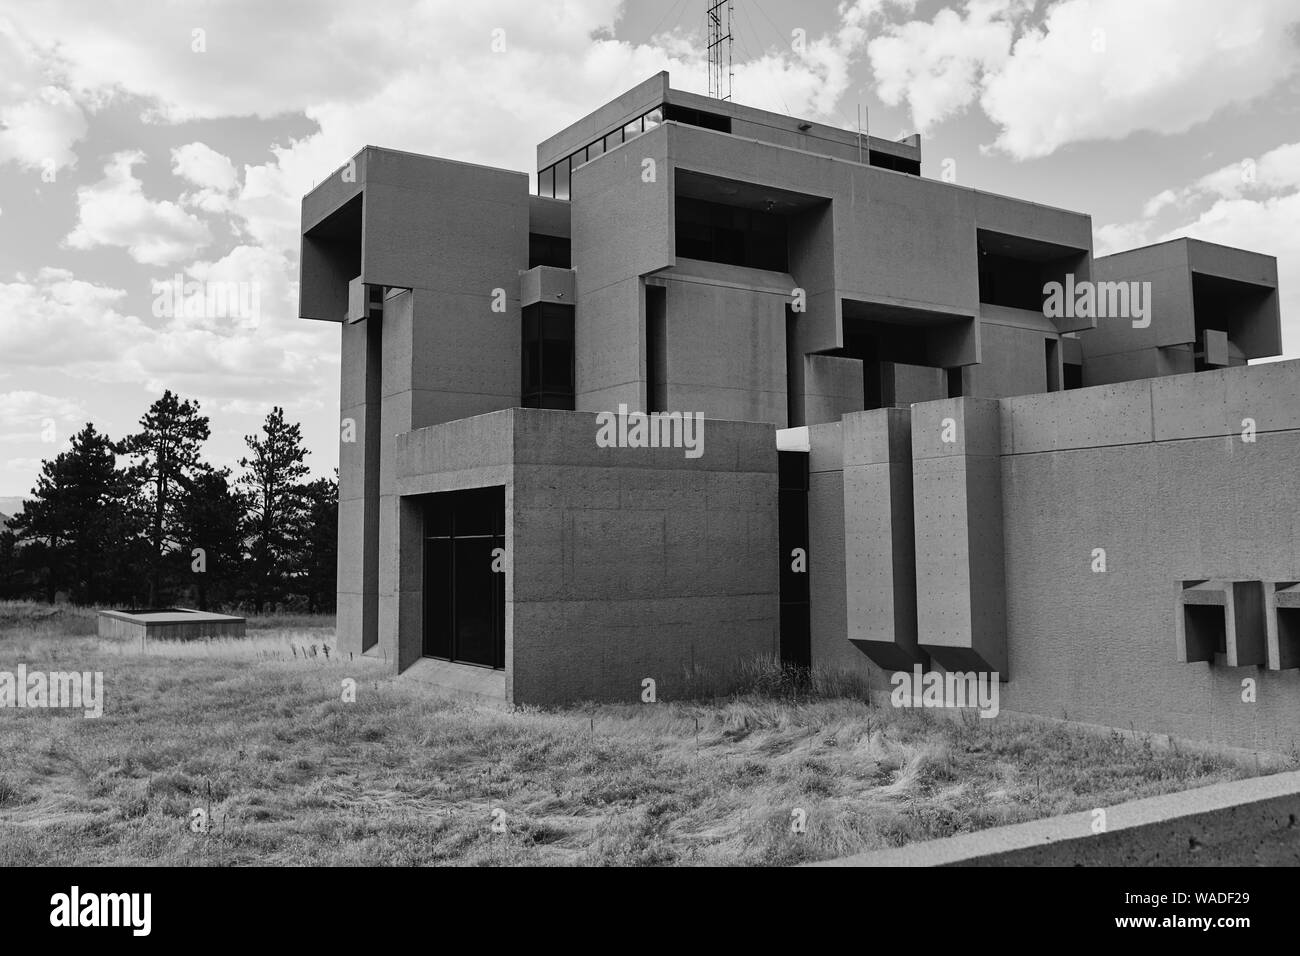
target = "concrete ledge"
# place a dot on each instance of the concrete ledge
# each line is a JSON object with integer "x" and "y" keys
{"x": 477, "y": 682}
{"x": 1240, "y": 822}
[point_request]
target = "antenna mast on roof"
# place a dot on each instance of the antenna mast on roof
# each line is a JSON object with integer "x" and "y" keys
{"x": 719, "y": 33}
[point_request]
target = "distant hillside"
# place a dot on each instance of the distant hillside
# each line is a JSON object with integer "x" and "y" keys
{"x": 10, "y": 506}
{"x": 4, "y": 519}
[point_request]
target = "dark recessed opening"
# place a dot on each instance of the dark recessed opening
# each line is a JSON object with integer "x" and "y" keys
{"x": 464, "y": 580}
{"x": 1288, "y": 636}
{"x": 656, "y": 352}
{"x": 731, "y": 234}
{"x": 694, "y": 117}
{"x": 882, "y": 160}
{"x": 792, "y": 533}
{"x": 1205, "y": 629}
{"x": 549, "y": 251}
{"x": 547, "y": 363}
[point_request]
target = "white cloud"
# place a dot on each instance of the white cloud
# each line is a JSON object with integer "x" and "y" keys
{"x": 39, "y": 131}
{"x": 116, "y": 212}
{"x": 936, "y": 67}
{"x": 212, "y": 172}
{"x": 1103, "y": 69}
{"x": 1090, "y": 70}
{"x": 24, "y": 415}
{"x": 1259, "y": 211}
{"x": 40, "y": 120}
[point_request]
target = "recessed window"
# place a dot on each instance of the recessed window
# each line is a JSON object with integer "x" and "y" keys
{"x": 546, "y": 182}
{"x": 613, "y": 139}
{"x": 653, "y": 119}
{"x": 731, "y": 234}
{"x": 547, "y": 356}
{"x": 595, "y": 149}
{"x": 549, "y": 251}
{"x": 632, "y": 129}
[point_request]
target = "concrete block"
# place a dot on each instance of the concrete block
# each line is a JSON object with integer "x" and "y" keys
{"x": 1222, "y": 617}
{"x": 958, "y": 520}
{"x": 1282, "y": 620}
{"x": 955, "y": 427}
{"x": 1079, "y": 418}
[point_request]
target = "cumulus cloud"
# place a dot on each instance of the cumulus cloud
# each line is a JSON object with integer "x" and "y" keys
{"x": 24, "y": 414}
{"x": 1250, "y": 204}
{"x": 40, "y": 121}
{"x": 212, "y": 172}
{"x": 116, "y": 212}
{"x": 1090, "y": 70}
{"x": 936, "y": 67}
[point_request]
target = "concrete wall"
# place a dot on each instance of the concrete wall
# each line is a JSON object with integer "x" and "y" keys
{"x": 725, "y": 341}
{"x": 879, "y": 536}
{"x": 1155, "y": 473}
{"x": 623, "y": 563}
{"x": 634, "y": 563}
{"x": 827, "y": 574}
{"x": 622, "y": 230}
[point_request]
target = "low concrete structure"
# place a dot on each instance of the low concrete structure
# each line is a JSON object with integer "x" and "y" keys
{"x": 947, "y": 492}
{"x": 1240, "y": 823}
{"x": 168, "y": 624}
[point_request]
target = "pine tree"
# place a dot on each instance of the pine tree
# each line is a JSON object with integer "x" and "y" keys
{"x": 318, "y": 547}
{"x": 76, "y": 519}
{"x": 167, "y": 453}
{"x": 273, "y": 527}
{"x": 210, "y": 518}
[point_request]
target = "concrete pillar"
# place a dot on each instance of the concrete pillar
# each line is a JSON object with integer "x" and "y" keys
{"x": 957, "y": 488}
{"x": 879, "y": 544}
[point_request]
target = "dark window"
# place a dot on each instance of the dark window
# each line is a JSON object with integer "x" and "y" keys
{"x": 1013, "y": 283}
{"x": 1050, "y": 349}
{"x": 954, "y": 382}
{"x": 656, "y": 348}
{"x": 1072, "y": 375}
{"x": 890, "y": 161}
{"x": 682, "y": 114}
{"x": 730, "y": 234}
{"x": 464, "y": 597}
{"x": 546, "y": 182}
{"x": 792, "y": 533}
{"x": 562, "y": 179}
{"x": 547, "y": 356}
{"x": 548, "y": 251}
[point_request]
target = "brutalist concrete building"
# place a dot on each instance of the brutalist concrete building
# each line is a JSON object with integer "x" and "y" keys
{"x": 727, "y": 383}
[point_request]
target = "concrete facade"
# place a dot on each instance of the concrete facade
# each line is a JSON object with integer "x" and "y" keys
{"x": 1089, "y": 500}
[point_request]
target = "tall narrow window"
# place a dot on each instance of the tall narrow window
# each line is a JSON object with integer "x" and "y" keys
{"x": 656, "y": 348}
{"x": 562, "y": 179}
{"x": 547, "y": 340}
{"x": 546, "y": 182}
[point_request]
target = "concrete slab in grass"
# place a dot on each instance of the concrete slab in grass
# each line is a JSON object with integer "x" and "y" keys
{"x": 1241, "y": 822}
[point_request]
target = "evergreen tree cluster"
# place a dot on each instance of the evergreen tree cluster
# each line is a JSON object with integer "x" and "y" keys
{"x": 147, "y": 522}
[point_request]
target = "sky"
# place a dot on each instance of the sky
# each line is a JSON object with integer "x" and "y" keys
{"x": 141, "y": 142}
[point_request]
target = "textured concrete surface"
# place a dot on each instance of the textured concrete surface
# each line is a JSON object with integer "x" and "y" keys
{"x": 623, "y": 563}
{"x": 879, "y": 537}
{"x": 1098, "y": 645}
{"x": 1239, "y": 823}
{"x": 958, "y": 508}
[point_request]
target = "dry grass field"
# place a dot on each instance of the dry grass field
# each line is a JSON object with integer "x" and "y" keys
{"x": 256, "y": 734}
